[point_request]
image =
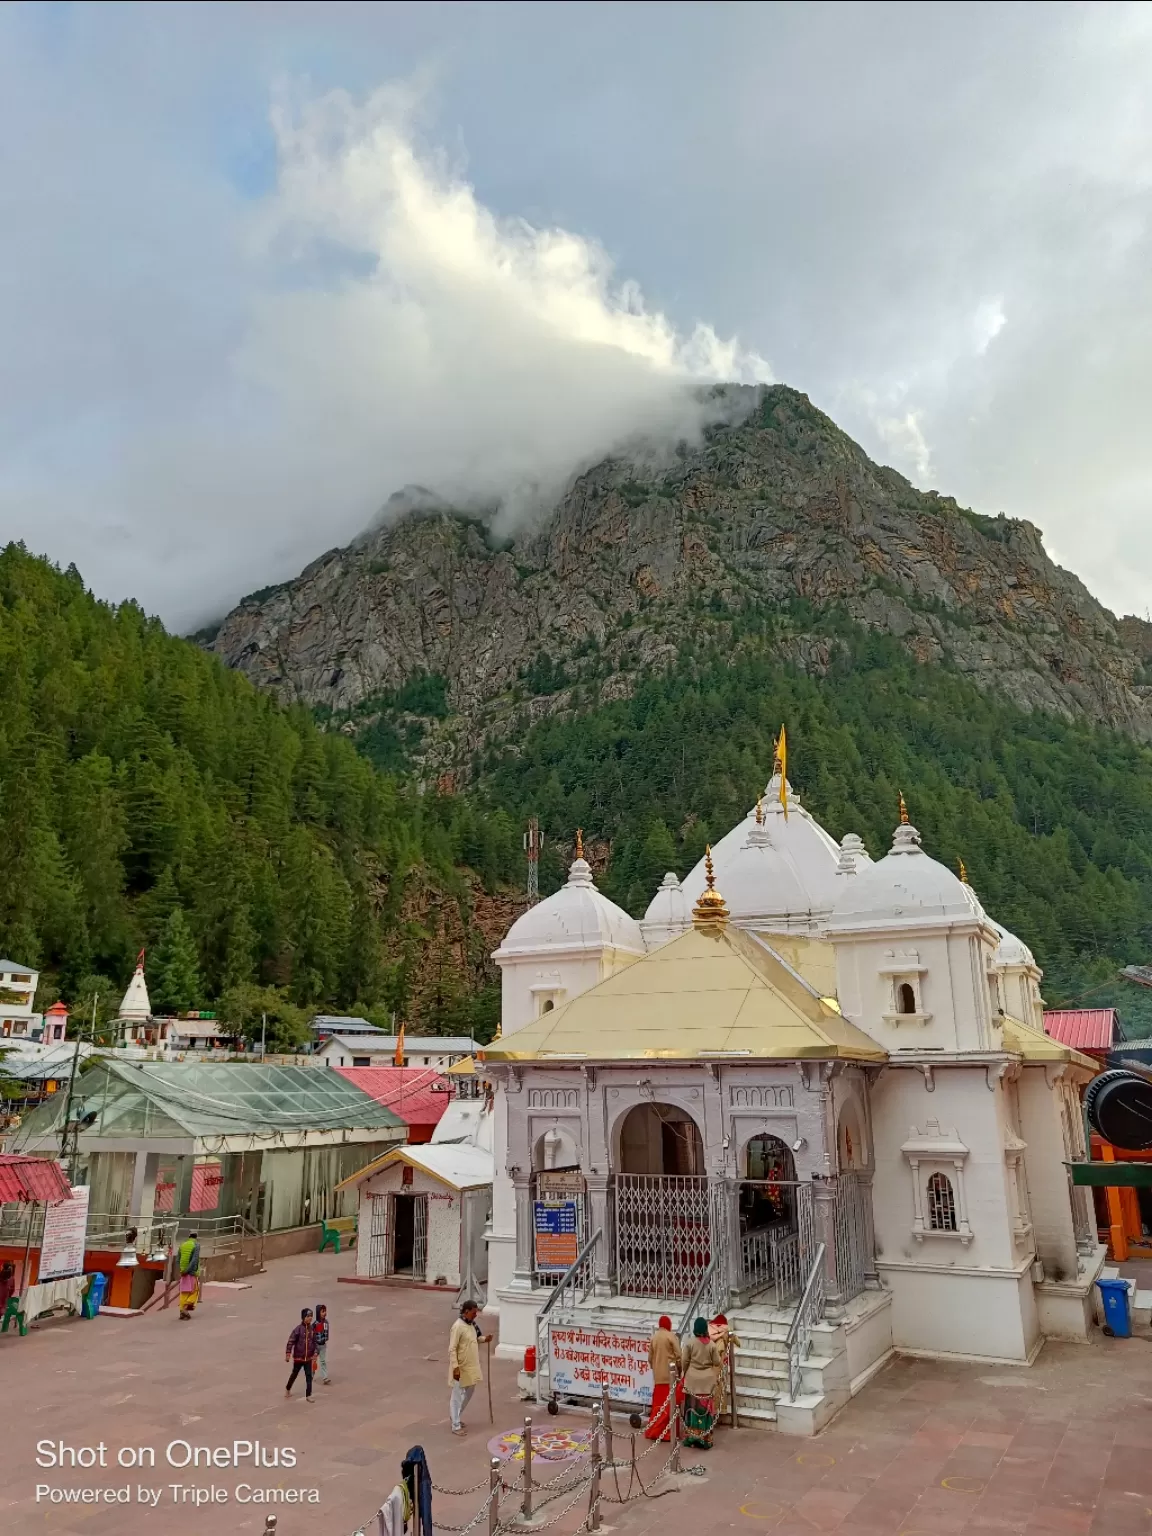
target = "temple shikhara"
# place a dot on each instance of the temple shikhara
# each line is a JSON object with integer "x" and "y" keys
{"x": 808, "y": 1089}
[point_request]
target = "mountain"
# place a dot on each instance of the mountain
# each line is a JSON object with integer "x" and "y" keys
{"x": 624, "y": 663}
{"x": 434, "y": 618}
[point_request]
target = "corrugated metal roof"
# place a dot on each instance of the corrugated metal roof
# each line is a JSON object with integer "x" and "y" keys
{"x": 32, "y": 1178}
{"x": 418, "y": 1095}
{"x": 1084, "y": 1029}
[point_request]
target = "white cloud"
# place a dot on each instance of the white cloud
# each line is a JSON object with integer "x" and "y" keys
{"x": 396, "y": 332}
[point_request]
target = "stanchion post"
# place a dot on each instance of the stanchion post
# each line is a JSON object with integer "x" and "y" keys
{"x": 674, "y": 1418}
{"x": 493, "y": 1495}
{"x": 594, "y": 1494}
{"x": 269, "y": 1525}
{"x": 732, "y": 1386}
{"x": 526, "y": 1507}
{"x": 606, "y": 1420}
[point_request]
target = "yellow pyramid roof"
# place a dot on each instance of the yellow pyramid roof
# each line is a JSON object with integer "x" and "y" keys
{"x": 712, "y": 992}
{"x": 1034, "y": 1045}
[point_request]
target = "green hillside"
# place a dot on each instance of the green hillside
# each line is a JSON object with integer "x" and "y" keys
{"x": 151, "y": 797}
{"x": 1052, "y": 818}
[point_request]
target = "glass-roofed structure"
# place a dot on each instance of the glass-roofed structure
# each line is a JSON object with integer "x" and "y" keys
{"x": 268, "y": 1143}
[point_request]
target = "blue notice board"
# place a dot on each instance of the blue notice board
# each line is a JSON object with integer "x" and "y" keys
{"x": 557, "y": 1234}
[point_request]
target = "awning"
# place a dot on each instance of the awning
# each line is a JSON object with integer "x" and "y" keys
{"x": 32, "y": 1178}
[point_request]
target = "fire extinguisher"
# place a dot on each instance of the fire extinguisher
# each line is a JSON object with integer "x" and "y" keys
{"x": 530, "y": 1360}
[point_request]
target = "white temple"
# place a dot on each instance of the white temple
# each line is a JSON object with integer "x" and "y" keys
{"x": 809, "y": 1089}
{"x": 136, "y": 1007}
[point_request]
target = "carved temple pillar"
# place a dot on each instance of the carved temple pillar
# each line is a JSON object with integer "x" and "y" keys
{"x": 601, "y": 1219}
{"x": 824, "y": 1192}
{"x": 524, "y": 1276}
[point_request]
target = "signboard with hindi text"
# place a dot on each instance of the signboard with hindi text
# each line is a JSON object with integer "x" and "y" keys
{"x": 583, "y": 1360}
{"x": 557, "y": 1234}
{"x": 62, "y": 1246}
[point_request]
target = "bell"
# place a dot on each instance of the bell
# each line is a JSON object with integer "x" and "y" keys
{"x": 128, "y": 1259}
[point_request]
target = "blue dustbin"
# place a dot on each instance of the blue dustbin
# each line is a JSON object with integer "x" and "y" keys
{"x": 95, "y": 1297}
{"x": 1117, "y": 1321}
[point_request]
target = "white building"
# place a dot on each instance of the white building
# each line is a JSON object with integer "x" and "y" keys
{"x": 18, "y": 1019}
{"x": 424, "y": 1210}
{"x": 828, "y": 1078}
{"x": 380, "y": 1050}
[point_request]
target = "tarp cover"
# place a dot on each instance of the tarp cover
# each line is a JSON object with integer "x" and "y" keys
{"x": 32, "y": 1178}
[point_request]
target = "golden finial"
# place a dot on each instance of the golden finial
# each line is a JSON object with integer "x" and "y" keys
{"x": 499, "y": 1035}
{"x": 710, "y": 910}
{"x": 904, "y": 817}
{"x": 759, "y": 810}
{"x": 579, "y": 842}
{"x": 963, "y": 873}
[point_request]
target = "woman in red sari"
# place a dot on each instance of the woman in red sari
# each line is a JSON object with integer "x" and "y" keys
{"x": 663, "y": 1353}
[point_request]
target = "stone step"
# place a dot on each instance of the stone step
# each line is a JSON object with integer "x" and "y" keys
{"x": 759, "y": 1415}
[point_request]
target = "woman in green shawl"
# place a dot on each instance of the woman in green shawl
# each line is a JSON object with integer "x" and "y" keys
{"x": 701, "y": 1373}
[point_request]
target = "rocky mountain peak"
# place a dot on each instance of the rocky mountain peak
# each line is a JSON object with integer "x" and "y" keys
{"x": 778, "y": 512}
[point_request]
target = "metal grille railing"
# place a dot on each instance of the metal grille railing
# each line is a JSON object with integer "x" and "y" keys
{"x": 663, "y": 1233}
{"x": 787, "y": 1271}
{"x": 854, "y": 1235}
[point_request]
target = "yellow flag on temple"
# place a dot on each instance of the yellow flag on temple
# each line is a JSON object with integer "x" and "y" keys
{"x": 782, "y": 765}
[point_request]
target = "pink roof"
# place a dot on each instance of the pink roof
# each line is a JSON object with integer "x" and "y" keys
{"x": 32, "y": 1178}
{"x": 419, "y": 1095}
{"x": 1084, "y": 1029}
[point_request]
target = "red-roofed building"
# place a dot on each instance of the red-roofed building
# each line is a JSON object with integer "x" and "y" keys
{"x": 1092, "y": 1030}
{"x": 418, "y": 1095}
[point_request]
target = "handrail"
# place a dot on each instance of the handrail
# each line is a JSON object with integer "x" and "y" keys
{"x": 698, "y": 1295}
{"x": 567, "y": 1282}
{"x": 809, "y": 1310}
{"x": 569, "y": 1275}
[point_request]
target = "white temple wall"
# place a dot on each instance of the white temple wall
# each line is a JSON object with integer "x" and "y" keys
{"x": 946, "y": 970}
{"x": 905, "y": 1108}
{"x": 1041, "y": 1102}
{"x": 527, "y": 984}
{"x": 445, "y": 1207}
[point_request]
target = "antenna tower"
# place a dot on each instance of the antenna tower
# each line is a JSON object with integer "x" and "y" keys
{"x": 533, "y": 840}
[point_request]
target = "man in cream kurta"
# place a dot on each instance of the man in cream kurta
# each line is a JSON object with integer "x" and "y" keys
{"x": 464, "y": 1362}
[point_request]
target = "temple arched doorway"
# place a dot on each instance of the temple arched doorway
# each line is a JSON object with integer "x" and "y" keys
{"x": 663, "y": 1232}
{"x": 660, "y": 1139}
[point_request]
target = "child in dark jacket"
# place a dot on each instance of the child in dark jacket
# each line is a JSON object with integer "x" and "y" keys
{"x": 301, "y": 1352}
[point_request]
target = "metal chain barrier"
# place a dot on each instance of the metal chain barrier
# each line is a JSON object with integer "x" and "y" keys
{"x": 585, "y": 1470}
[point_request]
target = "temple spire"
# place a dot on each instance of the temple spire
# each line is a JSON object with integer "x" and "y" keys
{"x": 579, "y": 842}
{"x": 710, "y": 911}
{"x": 905, "y": 819}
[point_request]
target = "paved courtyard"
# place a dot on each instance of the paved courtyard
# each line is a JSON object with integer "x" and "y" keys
{"x": 926, "y": 1450}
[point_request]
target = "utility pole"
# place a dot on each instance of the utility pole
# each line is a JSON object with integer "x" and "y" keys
{"x": 70, "y": 1155}
{"x": 263, "y": 1034}
{"x": 533, "y": 841}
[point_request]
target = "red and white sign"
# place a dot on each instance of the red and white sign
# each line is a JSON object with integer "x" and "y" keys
{"x": 584, "y": 1360}
{"x": 62, "y": 1246}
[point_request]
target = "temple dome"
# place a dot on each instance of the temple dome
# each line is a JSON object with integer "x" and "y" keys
{"x": 760, "y": 880}
{"x": 906, "y": 886}
{"x": 1010, "y": 951}
{"x": 669, "y": 913}
{"x": 801, "y": 873}
{"x": 577, "y": 916}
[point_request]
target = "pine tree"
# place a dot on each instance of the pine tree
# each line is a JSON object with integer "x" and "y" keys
{"x": 174, "y": 983}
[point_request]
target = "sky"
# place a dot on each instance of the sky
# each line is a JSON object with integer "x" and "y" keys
{"x": 262, "y": 265}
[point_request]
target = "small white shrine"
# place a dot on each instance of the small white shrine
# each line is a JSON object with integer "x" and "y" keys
{"x": 810, "y": 1090}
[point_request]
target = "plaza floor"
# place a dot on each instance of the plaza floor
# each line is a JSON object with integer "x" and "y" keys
{"x": 927, "y": 1449}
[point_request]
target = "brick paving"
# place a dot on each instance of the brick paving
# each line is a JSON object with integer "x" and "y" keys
{"x": 928, "y": 1449}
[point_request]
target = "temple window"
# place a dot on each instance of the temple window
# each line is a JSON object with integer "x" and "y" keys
{"x": 906, "y": 998}
{"x": 941, "y": 1203}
